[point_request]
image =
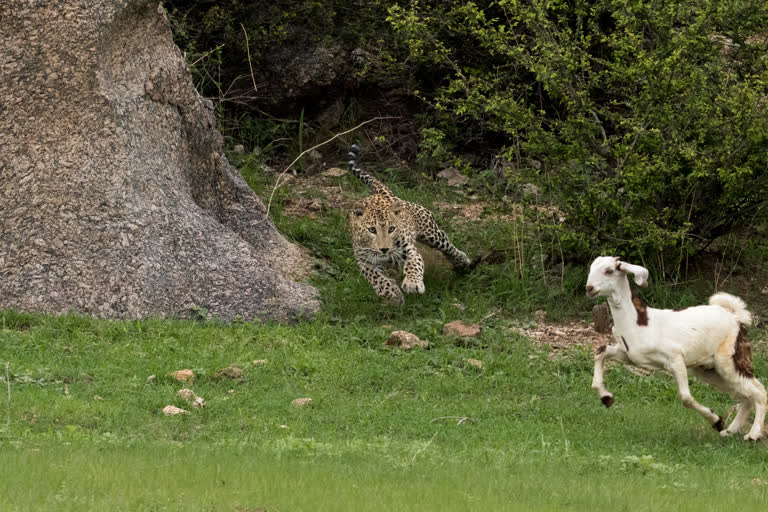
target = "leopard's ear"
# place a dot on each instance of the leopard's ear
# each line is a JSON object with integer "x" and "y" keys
{"x": 397, "y": 207}
{"x": 358, "y": 209}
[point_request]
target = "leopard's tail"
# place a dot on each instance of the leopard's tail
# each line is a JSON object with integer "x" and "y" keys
{"x": 377, "y": 187}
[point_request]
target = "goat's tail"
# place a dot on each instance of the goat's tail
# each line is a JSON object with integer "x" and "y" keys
{"x": 734, "y": 305}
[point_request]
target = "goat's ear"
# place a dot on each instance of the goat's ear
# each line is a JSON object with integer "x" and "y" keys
{"x": 640, "y": 273}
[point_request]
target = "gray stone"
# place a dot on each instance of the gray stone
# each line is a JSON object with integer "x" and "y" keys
{"x": 115, "y": 197}
{"x": 453, "y": 177}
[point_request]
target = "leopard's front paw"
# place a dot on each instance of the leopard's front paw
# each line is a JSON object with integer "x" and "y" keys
{"x": 391, "y": 292}
{"x": 412, "y": 286}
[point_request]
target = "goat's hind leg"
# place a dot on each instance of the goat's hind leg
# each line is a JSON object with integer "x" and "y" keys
{"x": 752, "y": 395}
{"x": 612, "y": 352}
{"x": 759, "y": 400}
{"x": 680, "y": 373}
{"x": 743, "y": 408}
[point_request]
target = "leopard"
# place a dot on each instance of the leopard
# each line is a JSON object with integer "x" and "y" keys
{"x": 384, "y": 229}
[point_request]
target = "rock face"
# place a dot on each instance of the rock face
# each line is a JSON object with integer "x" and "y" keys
{"x": 115, "y": 197}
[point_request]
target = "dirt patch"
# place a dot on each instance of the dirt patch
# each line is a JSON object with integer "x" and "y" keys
{"x": 563, "y": 336}
{"x": 313, "y": 194}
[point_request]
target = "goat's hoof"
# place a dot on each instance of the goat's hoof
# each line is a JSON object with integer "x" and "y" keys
{"x": 718, "y": 425}
{"x": 750, "y": 437}
{"x": 725, "y": 433}
{"x": 607, "y": 400}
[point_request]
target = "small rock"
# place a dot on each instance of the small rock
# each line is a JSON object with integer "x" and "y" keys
{"x": 151, "y": 379}
{"x": 239, "y": 149}
{"x": 301, "y": 402}
{"x": 530, "y": 189}
{"x": 405, "y": 340}
{"x": 534, "y": 164}
{"x": 453, "y": 177}
{"x": 764, "y": 290}
{"x": 334, "y": 172}
{"x": 66, "y": 348}
{"x": 283, "y": 426}
{"x": 172, "y": 410}
{"x": 315, "y": 155}
{"x": 230, "y": 372}
{"x": 540, "y": 315}
{"x": 267, "y": 169}
{"x": 191, "y": 398}
{"x": 315, "y": 205}
{"x": 187, "y": 376}
{"x": 459, "y": 306}
{"x": 97, "y": 397}
{"x": 257, "y": 362}
{"x": 475, "y": 362}
{"x": 462, "y": 330}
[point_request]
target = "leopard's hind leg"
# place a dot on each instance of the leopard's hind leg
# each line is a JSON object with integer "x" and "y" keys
{"x": 429, "y": 233}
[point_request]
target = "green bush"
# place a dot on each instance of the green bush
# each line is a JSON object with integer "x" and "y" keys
{"x": 645, "y": 122}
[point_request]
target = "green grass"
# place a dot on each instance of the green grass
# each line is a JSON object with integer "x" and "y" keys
{"x": 380, "y": 434}
{"x": 85, "y": 431}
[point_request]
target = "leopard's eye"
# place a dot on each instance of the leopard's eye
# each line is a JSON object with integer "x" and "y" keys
{"x": 391, "y": 229}
{"x": 609, "y": 271}
{"x": 372, "y": 230}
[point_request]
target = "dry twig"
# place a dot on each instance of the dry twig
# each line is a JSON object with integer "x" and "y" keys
{"x": 461, "y": 419}
{"x": 277, "y": 181}
{"x": 423, "y": 447}
{"x": 248, "y": 49}
{"x": 8, "y": 383}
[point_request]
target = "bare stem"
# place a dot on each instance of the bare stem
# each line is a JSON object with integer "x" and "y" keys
{"x": 8, "y": 383}
{"x": 248, "y": 49}
{"x": 277, "y": 182}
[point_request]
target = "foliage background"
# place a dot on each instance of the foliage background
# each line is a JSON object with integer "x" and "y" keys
{"x": 645, "y": 123}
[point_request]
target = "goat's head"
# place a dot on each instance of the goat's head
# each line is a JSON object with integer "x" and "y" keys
{"x": 606, "y": 271}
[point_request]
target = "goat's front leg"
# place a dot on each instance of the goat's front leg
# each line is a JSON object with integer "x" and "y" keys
{"x": 680, "y": 373}
{"x": 611, "y": 352}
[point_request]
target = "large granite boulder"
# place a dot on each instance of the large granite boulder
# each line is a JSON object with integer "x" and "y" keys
{"x": 115, "y": 197}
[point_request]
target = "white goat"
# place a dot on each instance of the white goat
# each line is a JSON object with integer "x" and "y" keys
{"x": 709, "y": 340}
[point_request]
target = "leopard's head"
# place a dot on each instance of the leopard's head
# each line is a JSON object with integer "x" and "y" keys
{"x": 374, "y": 227}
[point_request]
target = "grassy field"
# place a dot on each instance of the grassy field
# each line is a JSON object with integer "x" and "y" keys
{"x": 387, "y": 429}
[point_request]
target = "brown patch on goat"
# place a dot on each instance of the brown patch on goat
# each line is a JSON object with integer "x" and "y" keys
{"x": 718, "y": 425}
{"x": 641, "y": 308}
{"x": 601, "y": 349}
{"x": 742, "y": 354}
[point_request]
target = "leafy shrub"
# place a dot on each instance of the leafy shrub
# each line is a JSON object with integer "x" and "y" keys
{"x": 648, "y": 119}
{"x": 646, "y": 122}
